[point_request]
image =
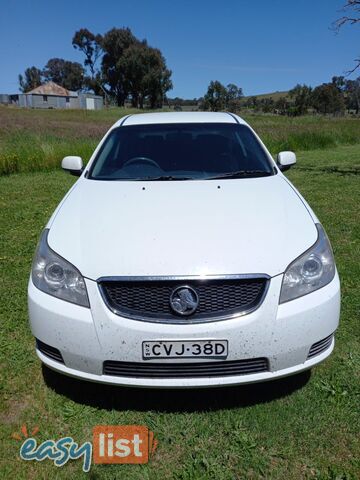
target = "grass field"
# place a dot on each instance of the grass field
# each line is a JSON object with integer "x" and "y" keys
{"x": 35, "y": 140}
{"x": 306, "y": 427}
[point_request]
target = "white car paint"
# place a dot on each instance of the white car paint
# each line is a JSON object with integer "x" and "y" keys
{"x": 141, "y": 221}
{"x": 192, "y": 228}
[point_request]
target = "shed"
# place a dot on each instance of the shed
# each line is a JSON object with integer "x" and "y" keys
{"x": 51, "y": 95}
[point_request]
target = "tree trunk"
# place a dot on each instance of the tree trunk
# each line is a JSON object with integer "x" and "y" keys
{"x": 120, "y": 98}
{"x": 135, "y": 100}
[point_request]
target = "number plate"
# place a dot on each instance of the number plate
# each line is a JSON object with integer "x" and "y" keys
{"x": 185, "y": 349}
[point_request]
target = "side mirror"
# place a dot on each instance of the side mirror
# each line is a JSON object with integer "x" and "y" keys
{"x": 73, "y": 165}
{"x": 285, "y": 160}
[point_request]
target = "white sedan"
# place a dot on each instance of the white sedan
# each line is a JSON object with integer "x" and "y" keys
{"x": 183, "y": 257}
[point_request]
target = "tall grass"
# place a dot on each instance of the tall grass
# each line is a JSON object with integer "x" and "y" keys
{"x": 305, "y": 133}
{"x": 26, "y": 151}
{"x": 33, "y": 140}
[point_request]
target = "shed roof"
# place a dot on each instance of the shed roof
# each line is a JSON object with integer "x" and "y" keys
{"x": 51, "y": 88}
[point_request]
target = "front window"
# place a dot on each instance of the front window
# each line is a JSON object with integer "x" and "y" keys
{"x": 189, "y": 151}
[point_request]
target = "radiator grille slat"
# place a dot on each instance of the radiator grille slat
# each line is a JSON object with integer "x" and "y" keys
{"x": 150, "y": 300}
{"x": 188, "y": 370}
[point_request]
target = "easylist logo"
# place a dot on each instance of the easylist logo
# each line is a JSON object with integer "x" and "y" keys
{"x": 111, "y": 444}
{"x": 122, "y": 444}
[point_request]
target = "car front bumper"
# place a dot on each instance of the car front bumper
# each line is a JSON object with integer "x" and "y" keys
{"x": 283, "y": 334}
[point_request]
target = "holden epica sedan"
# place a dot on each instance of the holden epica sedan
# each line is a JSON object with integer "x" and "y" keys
{"x": 183, "y": 257}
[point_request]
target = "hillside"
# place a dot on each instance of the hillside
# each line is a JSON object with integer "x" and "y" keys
{"x": 274, "y": 95}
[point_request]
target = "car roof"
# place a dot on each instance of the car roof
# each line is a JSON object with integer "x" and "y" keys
{"x": 178, "y": 117}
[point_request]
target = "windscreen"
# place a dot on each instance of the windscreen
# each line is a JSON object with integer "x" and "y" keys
{"x": 188, "y": 151}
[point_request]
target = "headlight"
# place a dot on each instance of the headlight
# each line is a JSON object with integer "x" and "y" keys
{"x": 55, "y": 276}
{"x": 312, "y": 270}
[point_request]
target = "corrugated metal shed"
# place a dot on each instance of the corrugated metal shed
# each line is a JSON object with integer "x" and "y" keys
{"x": 51, "y": 95}
{"x": 4, "y": 98}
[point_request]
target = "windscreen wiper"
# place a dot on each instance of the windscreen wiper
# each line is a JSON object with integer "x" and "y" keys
{"x": 162, "y": 178}
{"x": 241, "y": 174}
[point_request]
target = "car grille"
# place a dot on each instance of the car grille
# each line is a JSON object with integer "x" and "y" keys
{"x": 150, "y": 299}
{"x": 187, "y": 370}
{"x": 50, "y": 352}
{"x": 320, "y": 346}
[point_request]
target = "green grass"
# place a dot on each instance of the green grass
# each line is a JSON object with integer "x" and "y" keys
{"x": 37, "y": 140}
{"x": 305, "y": 133}
{"x": 302, "y": 428}
{"x": 34, "y": 140}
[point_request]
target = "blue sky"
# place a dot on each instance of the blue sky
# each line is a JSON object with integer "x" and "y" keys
{"x": 262, "y": 45}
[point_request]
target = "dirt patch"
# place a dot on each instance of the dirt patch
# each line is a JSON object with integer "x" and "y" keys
{"x": 15, "y": 409}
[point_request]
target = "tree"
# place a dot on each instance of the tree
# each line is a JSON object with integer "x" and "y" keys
{"x": 146, "y": 75}
{"x": 282, "y": 106}
{"x": 327, "y": 98}
{"x": 90, "y": 45}
{"x": 301, "y": 94}
{"x": 352, "y": 95}
{"x": 69, "y": 75}
{"x": 157, "y": 80}
{"x": 251, "y": 102}
{"x": 132, "y": 67}
{"x": 215, "y": 98}
{"x": 30, "y": 80}
{"x": 352, "y": 6}
{"x": 339, "y": 82}
{"x": 114, "y": 44}
{"x": 234, "y": 95}
{"x": 267, "y": 105}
